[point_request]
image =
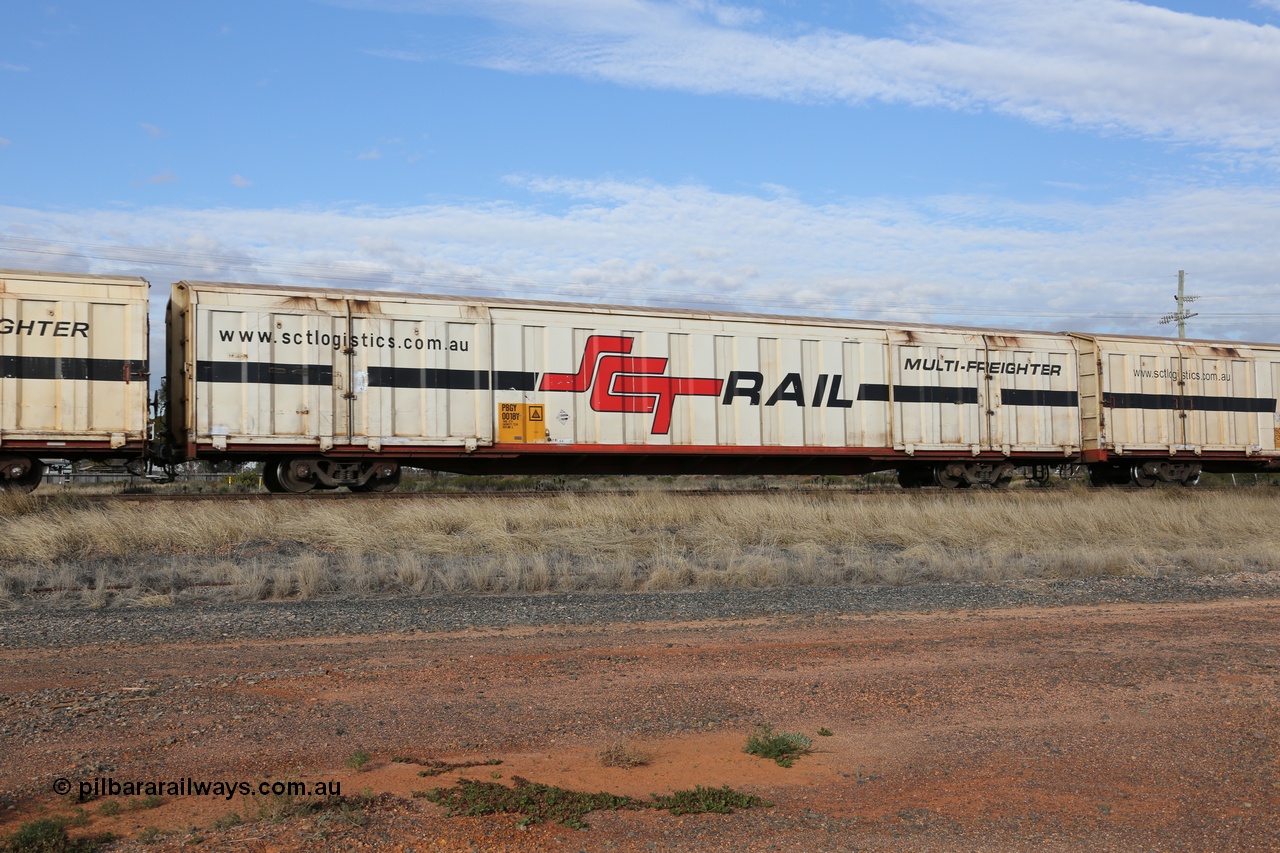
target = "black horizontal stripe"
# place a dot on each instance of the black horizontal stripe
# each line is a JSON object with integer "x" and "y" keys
{"x": 1188, "y": 403}
{"x": 1035, "y": 397}
{"x": 917, "y": 394}
{"x": 92, "y": 369}
{"x": 264, "y": 373}
{"x": 451, "y": 380}
{"x": 515, "y": 380}
{"x": 269, "y": 373}
{"x": 428, "y": 377}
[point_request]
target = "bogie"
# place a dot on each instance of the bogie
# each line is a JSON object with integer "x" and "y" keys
{"x": 956, "y": 475}
{"x": 1145, "y": 474}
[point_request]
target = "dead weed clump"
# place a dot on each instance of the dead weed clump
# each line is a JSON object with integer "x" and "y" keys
{"x": 621, "y": 753}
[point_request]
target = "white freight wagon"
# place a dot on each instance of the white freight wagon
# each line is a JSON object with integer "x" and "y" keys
{"x": 1157, "y": 409}
{"x": 330, "y": 388}
{"x": 633, "y": 389}
{"x": 344, "y": 387}
{"x": 73, "y": 370}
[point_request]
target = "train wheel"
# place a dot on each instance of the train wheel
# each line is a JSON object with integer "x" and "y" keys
{"x": 290, "y": 481}
{"x": 1192, "y": 479}
{"x": 948, "y": 480}
{"x": 271, "y": 477}
{"x": 1142, "y": 478}
{"x": 1003, "y": 481}
{"x": 379, "y": 484}
{"x": 1100, "y": 476}
{"x": 28, "y": 481}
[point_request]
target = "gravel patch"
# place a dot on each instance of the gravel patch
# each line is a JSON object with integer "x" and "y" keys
{"x": 49, "y": 627}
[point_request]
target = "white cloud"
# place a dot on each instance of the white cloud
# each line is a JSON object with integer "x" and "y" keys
{"x": 5, "y": 143}
{"x": 165, "y": 177}
{"x": 402, "y": 55}
{"x": 240, "y": 181}
{"x": 154, "y": 131}
{"x": 724, "y": 14}
{"x": 957, "y": 259}
{"x": 1107, "y": 65}
{"x": 5, "y": 66}
{"x": 371, "y": 154}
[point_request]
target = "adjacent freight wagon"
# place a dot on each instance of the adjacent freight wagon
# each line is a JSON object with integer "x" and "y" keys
{"x": 333, "y": 388}
{"x": 73, "y": 370}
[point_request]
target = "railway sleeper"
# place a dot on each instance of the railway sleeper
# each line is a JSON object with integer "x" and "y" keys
{"x": 305, "y": 474}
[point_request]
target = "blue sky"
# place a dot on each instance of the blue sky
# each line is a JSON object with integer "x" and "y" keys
{"x": 1003, "y": 163}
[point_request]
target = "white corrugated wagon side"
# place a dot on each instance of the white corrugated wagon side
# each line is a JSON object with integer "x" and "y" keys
{"x": 1155, "y": 409}
{"x": 73, "y": 370}
{"x": 334, "y": 388}
{"x": 329, "y": 388}
{"x": 644, "y": 390}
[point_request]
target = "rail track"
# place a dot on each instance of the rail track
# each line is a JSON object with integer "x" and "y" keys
{"x": 179, "y": 497}
{"x": 892, "y": 492}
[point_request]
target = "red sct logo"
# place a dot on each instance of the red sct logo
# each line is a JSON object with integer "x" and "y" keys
{"x": 623, "y": 383}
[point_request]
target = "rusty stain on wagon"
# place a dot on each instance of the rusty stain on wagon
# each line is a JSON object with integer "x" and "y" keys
{"x": 365, "y": 306}
{"x": 298, "y": 303}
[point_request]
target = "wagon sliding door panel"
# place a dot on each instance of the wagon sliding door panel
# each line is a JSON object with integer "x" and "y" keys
{"x": 267, "y": 371}
{"x": 1141, "y": 390}
{"x": 1208, "y": 418}
{"x": 1031, "y": 394}
{"x": 420, "y": 375}
{"x": 936, "y": 390}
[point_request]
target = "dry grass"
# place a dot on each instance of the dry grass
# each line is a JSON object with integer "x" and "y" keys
{"x": 168, "y": 553}
{"x": 623, "y": 754}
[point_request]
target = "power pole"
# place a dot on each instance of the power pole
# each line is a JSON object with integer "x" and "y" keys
{"x": 1181, "y": 316}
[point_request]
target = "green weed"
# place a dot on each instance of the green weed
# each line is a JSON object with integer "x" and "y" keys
{"x": 358, "y": 759}
{"x": 150, "y": 835}
{"x": 539, "y": 803}
{"x": 701, "y": 800}
{"x": 783, "y": 747}
{"x": 50, "y": 836}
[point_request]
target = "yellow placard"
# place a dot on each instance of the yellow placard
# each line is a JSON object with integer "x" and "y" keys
{"x": 521, "y": 423}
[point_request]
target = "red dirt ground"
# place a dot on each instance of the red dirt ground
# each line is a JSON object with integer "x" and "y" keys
{"x": 1124, "y": 727}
